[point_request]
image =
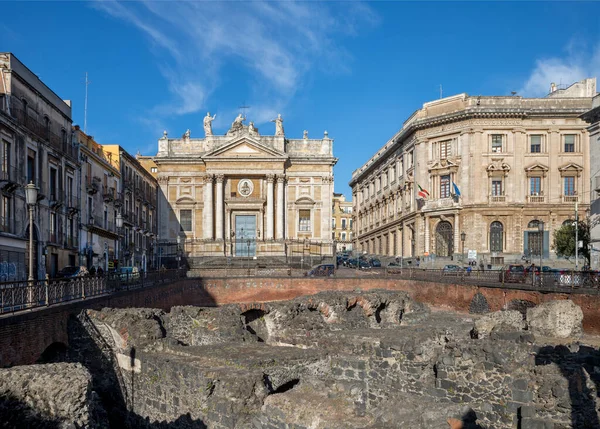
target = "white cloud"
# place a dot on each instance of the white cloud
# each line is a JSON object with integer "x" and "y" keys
{"x": 276, "y": 43}
{"x": 578, "y": 63}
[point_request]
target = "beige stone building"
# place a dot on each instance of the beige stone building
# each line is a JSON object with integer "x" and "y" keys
{"x": 101, "y": 200}
{"x": 244, "y": 193}
{"x": 486, "y": 169}
{"x": 341, "y": 223}
{"x": 35, "y": 146}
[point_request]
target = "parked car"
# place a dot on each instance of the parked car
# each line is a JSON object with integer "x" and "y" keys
{"x": 127, "y": 273}
{"x": 321, "y": 270}
{"x": 375, "y": 263}
{"x": 353, "y": 263}
{"x": 452, "y": 270}
{"x": 514, "y": 273}
{"x": 394, "y": 268}
{"x": 71, "y": 271}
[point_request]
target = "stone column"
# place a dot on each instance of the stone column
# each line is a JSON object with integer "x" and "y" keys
{"x": 207, "y": 212}
{"x": 219, "y": 208}
{"x": 280, "y": 207}
{"x": 269, "y": 232}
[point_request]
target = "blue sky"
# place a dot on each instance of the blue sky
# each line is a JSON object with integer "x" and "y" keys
{"x": 357, "y": 70}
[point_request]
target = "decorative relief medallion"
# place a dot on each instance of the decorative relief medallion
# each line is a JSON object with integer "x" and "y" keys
{"x": 245, "y": 187}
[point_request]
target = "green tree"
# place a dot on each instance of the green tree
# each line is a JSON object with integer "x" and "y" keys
{"x": 564, "y": 240}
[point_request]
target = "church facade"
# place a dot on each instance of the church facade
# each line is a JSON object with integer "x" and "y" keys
{"x": 243, "y": 193}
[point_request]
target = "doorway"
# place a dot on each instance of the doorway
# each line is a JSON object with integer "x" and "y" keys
{"x": 245, "y": 235}
{"x": 444, "y": 239}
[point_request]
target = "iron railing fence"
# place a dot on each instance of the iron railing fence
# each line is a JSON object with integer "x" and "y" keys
{"x": 26, "y": 295}
{"x": 251, "y": 253}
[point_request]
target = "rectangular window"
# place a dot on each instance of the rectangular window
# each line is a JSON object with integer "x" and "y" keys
{"x": 154, "y": 169}
{"x": 497, "y": 142}
{"x": 445, "y": 186}
{"x": 5, "y": 160}
{"x": 53, "y": 227}
{"x": 185, "y": 220}
{"x": 70, "y": 191}
{"x": 497, "y": 188}
{"x": 343, "y": 223}
{"x": 90, "y": 207}
{"x": 445, "y": 149}
{"x": 392, "y": 175}
{"x": 5, "y": 215}
{"x": 53, "y": 193}
{"x": 350, "y": 223}
{"x": 535, "y": 143}
{"x": 569, "y": 143}
{"x": 343, "y": 236}
{"x": 535, "y": 185}
{"x": 569, "y": 185}
{"x": 304, "y": 220}
{"x": 31, "y": 166}
{"x": 333, "y": 223}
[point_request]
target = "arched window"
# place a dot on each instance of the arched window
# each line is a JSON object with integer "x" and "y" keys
{"x": 444, "y": 239}
{"x": 496, "y": 236}
{"x": 533, "y": 224}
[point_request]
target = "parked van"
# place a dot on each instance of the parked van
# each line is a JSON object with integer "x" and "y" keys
{"x": 321, "y": 270}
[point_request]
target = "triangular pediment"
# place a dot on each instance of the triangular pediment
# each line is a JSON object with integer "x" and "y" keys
{"x": 537, "y": 167}
{"x": 571, "y": 167}
{"x": 245, "y": 147}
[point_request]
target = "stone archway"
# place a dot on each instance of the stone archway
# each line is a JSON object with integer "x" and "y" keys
{"x": 444, "y": 239}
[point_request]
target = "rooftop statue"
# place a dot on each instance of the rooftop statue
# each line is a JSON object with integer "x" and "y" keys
{"x": 237, "y": 122}
{"x": 278, "y": 125}
{"x": 252, "y": 130}
{"x": 208, "y": 124}
{"x": 187, "y": 134}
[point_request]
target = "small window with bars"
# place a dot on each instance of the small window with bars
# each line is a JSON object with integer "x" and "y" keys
{"x": 445, "y": 149}
{"x": 185, "y": 220}
{"x": 535, "y": 143}
{"x": 569, "y": 143}
{"x": 497, "y": 142}
{"x": 304, "y": 220}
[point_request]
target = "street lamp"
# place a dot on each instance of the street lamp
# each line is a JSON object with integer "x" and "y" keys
{"x": 119, "y": 222}
{"x": 541, "y": 230}
{"x": 31, "y": 192}
{"x": 248, "y": 255}
{"x": 463, "y": 236}
{"x": 178, "y": 250}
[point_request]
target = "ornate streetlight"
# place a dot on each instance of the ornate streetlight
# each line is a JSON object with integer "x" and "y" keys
{"x": 31, "y": 192}
{"x": 178, "y": 250}
{"x": 119, "y": 222}
{"x": 463, "y": 236}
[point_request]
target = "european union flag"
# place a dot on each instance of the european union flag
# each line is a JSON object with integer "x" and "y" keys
{"x": 456, "y": 190}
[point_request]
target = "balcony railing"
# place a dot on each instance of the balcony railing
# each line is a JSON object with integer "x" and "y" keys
{"x": 439, "y": 203}
{"x": 42, "y": 130}
{"x": 72, "y": 203}
{"x": 91, "y": 185}
{"x": 72, "y": 241}
{"x": 498, "y": 198}
{"x": 9, "y": 176}
{"x": 108, "y": 193}
{"x": 570, "y": 198}
{"x": 536, "y": 198}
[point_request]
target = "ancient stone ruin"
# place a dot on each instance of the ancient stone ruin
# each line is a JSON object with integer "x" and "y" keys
{"x": 331, "y": 360}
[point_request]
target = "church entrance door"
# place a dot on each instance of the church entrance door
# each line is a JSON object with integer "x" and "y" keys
{"x": 245, "y": 235}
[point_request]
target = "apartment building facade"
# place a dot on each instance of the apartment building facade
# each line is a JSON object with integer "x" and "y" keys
{"x": 487, "y": 177}
{"x": 138, "y": 191}
{"x": 100, "y": 199}
{"x": 36, "y": 147}
{"x": 341, "y": 223}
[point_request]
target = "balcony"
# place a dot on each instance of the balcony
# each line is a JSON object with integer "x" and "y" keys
{"x": 53, "y": 237}
{"x": 128, "y": 185}
{"x": 108, "y": 194}
{"x": 118, "y": 199}
{"x": 9, "y": 178}
{"x": 439, "y": 204}
{"x": 92, "y": 185}
{"x": 535, "y": 199}
{"x": 98, "y": 221}
{"x": 497, "y": 199}
{"x": 570, "y": 198}
{"x": 55, "y": 198}
{"x": 72, "y": 204}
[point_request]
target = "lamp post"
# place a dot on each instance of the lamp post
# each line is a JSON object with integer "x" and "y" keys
{"x": 119, "y": 222}
{"x": 541, "y": 230}
{"x": 463, "y": 236}
{"x": 178, "y": 250}
{"x": 248, "y": 255}
{"x": 31, "y": 192}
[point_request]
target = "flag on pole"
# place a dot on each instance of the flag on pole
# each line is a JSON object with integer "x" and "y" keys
{"x": 456, "y": 190}
{"x": 423, "y": 193}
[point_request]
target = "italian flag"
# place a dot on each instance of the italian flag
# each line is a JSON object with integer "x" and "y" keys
{"x": 423, "y": 193}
